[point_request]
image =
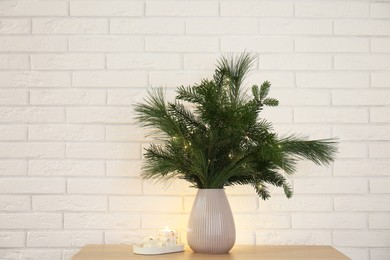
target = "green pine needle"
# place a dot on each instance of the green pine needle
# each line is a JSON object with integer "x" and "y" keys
{"x": 222, "y": 140}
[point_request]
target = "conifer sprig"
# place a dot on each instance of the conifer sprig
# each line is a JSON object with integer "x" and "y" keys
{"x": 222, "y": 140}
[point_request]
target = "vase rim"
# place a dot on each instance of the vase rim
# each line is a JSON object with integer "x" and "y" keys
{"x": 203, "y": 191}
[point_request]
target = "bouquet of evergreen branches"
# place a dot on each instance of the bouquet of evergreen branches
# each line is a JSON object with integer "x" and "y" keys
{"x": 212, "y": 135}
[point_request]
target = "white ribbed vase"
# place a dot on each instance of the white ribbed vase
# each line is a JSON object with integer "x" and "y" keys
{"x": 211, "y": 227}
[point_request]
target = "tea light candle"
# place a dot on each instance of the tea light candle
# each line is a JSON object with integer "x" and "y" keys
{"x": 164, "y": 242}
{"x": 167, "y": 236}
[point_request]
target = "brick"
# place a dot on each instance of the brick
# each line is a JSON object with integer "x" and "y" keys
{"x": 362, "y": 27}
{"x": 300, "y": 97}
{"x": 103, "y": 115}
{"x": 29, "y": 8}
{"x": 294, "y": 237}
{"x": 69, "y": 203}
{"x": 333, "y": 80}
{"x": 379, "y": 185}
{"x": 65, "y": 168}
{"x": 332, "y": 9}
{"x": 34, "y": 79}
{"x": 30, "y": 221}
{"x": 362, "y": 238}
{"x": 361, "y": 97}
{"x": 379, "y": 150}
{"x": 177, "y": 187}
{"x": 199, "y": 61}
{"x": 12, "y": 239}
{"x": 181, "y": 44}
{"x": 380, "y": 79}
{"x": 295, "y": 26}
{"x": 32, "y": 150}
{"x": 13, "y": 167}
{"x": 104, "y": 186}
{"x": 330, "y": 185}
{"x": 103, "y": 150}
{"x": 31, "y": 254}
{"x": 379, "y": 221}
{"x": 66, "y": 132}
{"x": 70, "y": 26}
{"x": 69, "y": 254}
{"x": 13, "y": 97}
{"x": 355, "y": 252}
{"x": 67, "y": 62}
{"x": 352, "y": 150}
{"x": 381, "y": 115}
{"x": 174, "y": 221}
{"x": 257, "y": 44}
{"x": 33, "y": 44}
{"x": 110, "y": 79}
{"x": 36, "y": 185}
{"x": 63, "y": 238}
{"x": 216, "y": 26}
{"x": 147, "y": 61}
{"x": 106, "y": 8}
{"x": 298, "y": 203}
{"x": 295, "y": 62}
{"x": 14, "y": 62}
{"x": 123, "y": 168}
{"x": 380, "y": 253}
{"x": 280, "y": 115}
{"x": 257, "y": 9}
{"x": 245, "y": 238}
{"x": 370, "y": 167}
{"x": 332, "y": 45}
{"x": 12, "y": 133}
{"x": 311, "y": 131}
{"x": 126, "y": 96}
{"x": 362, "y": 203}
{"x": 362, "y": 133}
{"x": 329, "y": 221}
{"x": 362, "y": 62}
{"x": 106, "y": 44}
{"x": 15, "y": 26}
{"x": 67, "y": 97}
{"x": 147, "y": 26}
{"x": 308, "y": 168}
{"x": 330, "y": 115}
{"x": 380, "y": 10}
{"x": 124, "y": 133}
{"x": 173, "y": 79}
{"x": 277, "y": 79}
{"x": 380, "y": 45}
{"x": 148, "y": 204}
{"x": 262, "y": 221}
{"x": 31, "y": 115}
{"x": 100, "y": 221}
{"x": 15, "y": 203}
{"x": 175, "y": 8}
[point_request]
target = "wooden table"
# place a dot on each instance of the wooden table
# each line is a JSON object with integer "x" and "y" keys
{"x": 125, "y": 252}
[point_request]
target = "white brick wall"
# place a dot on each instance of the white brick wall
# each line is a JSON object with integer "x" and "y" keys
{"x": 71, "y": 155}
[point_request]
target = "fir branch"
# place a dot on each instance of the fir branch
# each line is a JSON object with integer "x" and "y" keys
{"x": 221, "y": 140}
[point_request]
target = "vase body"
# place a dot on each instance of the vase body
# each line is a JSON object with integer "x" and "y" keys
{"x": 211, "y": 228}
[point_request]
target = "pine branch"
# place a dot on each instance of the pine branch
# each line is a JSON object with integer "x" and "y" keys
{"x": 222, "y": 141}
{"x": 321, "y": 152}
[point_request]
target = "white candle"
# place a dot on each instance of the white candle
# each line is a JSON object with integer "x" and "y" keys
{"x": 164, "y": 238}
{"x": 168, "y": 236}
